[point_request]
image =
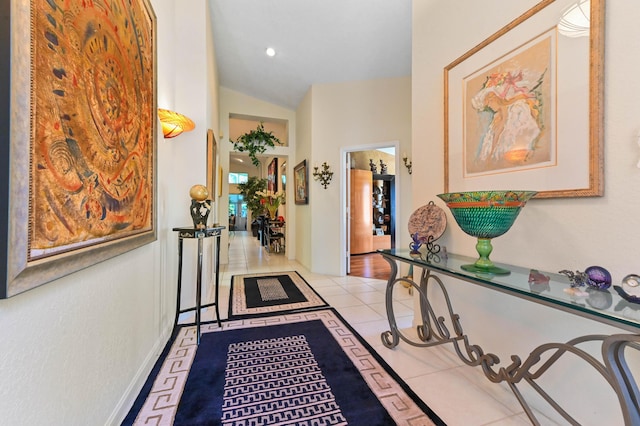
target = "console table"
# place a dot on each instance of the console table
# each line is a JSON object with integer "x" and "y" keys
{"x": 200, "y": 235}
{"x": 603, "y": 306}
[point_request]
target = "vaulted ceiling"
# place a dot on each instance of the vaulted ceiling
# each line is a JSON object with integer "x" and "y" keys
{"x": 316, "y": 41}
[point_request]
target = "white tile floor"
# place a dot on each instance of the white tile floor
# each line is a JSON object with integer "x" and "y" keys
{"x": 459, "y": 394}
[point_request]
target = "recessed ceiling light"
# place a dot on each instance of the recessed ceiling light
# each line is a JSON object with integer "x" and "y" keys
{"x": 270, "y": 51}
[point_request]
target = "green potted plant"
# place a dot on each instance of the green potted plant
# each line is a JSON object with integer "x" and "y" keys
{"x": 248, "y": 191}
{"x": 255, "y": 142}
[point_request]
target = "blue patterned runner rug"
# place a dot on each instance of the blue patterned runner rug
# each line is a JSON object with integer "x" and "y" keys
{"x": 306, "y": 368}
{"x": 264, "y": 294}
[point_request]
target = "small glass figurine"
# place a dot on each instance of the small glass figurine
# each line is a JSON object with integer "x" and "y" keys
{"x": 578, "y": 279}
{"x": 538, "y": 282}
{"x": 416, "y": 244}
{"x": 536, "y": 277}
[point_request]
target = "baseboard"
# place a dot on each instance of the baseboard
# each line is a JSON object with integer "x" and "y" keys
{"x": 135, "y": 386}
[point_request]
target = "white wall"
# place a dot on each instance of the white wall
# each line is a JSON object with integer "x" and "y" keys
{"x": 353, "y": 114}
{"x": 77, "y": 350}
{"x": 304, "y": 126}
{"x": 186, "y": 165}
{"x": 553, "y": 234}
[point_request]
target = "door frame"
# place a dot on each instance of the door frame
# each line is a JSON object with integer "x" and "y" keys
{"x": 344, "y": 194}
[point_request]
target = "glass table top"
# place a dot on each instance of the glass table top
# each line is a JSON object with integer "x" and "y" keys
{"x": 601, "y": 305}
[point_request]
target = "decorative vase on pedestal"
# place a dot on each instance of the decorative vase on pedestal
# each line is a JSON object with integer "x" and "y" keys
{"x": 200, "y": 206}
{"x": 200, "y": 213}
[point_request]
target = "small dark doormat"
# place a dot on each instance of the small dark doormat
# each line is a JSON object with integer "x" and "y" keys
{"x": 260, "y": 294}
{"x": 304, "y": 368}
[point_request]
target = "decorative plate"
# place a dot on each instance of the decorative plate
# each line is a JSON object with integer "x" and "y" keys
{"x": 428, "y": 221}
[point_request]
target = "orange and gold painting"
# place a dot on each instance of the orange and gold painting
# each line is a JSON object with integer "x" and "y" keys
{"x": 93, "y": 121}
{"x": 508, "y": 112}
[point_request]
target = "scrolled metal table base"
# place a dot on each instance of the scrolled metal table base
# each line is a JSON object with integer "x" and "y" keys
{"x": 433, "y": 331}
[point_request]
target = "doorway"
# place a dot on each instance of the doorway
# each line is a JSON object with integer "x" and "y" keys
{"x": 370, "y": 202}
{"x": 242, "y": 170}
{"x": 237, "y": 213}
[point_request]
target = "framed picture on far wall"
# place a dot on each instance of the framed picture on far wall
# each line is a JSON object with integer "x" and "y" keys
{"x": 272, "y": 176}
{"x": 212, "y": 167}
{"x": 300, "y": 185}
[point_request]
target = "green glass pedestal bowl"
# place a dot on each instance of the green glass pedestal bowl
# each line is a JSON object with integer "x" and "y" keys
{"x": 486, "y": 215}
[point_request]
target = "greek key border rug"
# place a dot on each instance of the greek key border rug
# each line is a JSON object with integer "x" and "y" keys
{"x": 264, "y": 294}
{"x": 305, "y": 368}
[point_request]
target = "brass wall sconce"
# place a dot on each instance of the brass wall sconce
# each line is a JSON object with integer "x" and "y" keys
{"x": 173, "y": 123}
{"x": 324, "y": 176}
{"x": 408, "y": 164}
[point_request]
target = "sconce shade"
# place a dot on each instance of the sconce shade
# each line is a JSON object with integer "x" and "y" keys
{"x": 173, "y": 123}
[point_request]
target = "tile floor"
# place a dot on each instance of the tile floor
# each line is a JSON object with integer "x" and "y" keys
{"x": 459, "y": 394}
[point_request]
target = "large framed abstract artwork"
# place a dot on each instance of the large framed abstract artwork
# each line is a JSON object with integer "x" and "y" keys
{"x": 524, "y": 108}
{"x": 83, "y": 137}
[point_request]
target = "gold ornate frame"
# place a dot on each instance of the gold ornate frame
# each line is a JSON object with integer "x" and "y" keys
{"x": 541, "y": 14}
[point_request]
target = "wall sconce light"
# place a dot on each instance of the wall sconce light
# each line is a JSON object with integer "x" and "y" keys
{"x": 173, "y": 123}
{"x": 324, "y": 176}
{"x": 408, "y": 164}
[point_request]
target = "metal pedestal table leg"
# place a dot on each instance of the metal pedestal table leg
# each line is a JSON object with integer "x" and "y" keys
{"x": 217, "y": 272}
{"x": 433, "y": 330}
{"x": 179, "y": 290}
{"x": 199, "y": 288}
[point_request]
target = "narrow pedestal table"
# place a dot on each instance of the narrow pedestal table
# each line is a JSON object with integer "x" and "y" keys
{"x": 199, "y": 235}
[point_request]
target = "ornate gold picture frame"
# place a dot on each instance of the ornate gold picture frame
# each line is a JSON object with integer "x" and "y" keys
{"x": 524, "y": 108}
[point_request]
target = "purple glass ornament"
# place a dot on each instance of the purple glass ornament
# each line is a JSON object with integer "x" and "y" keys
{"x": 599, "y": 277}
